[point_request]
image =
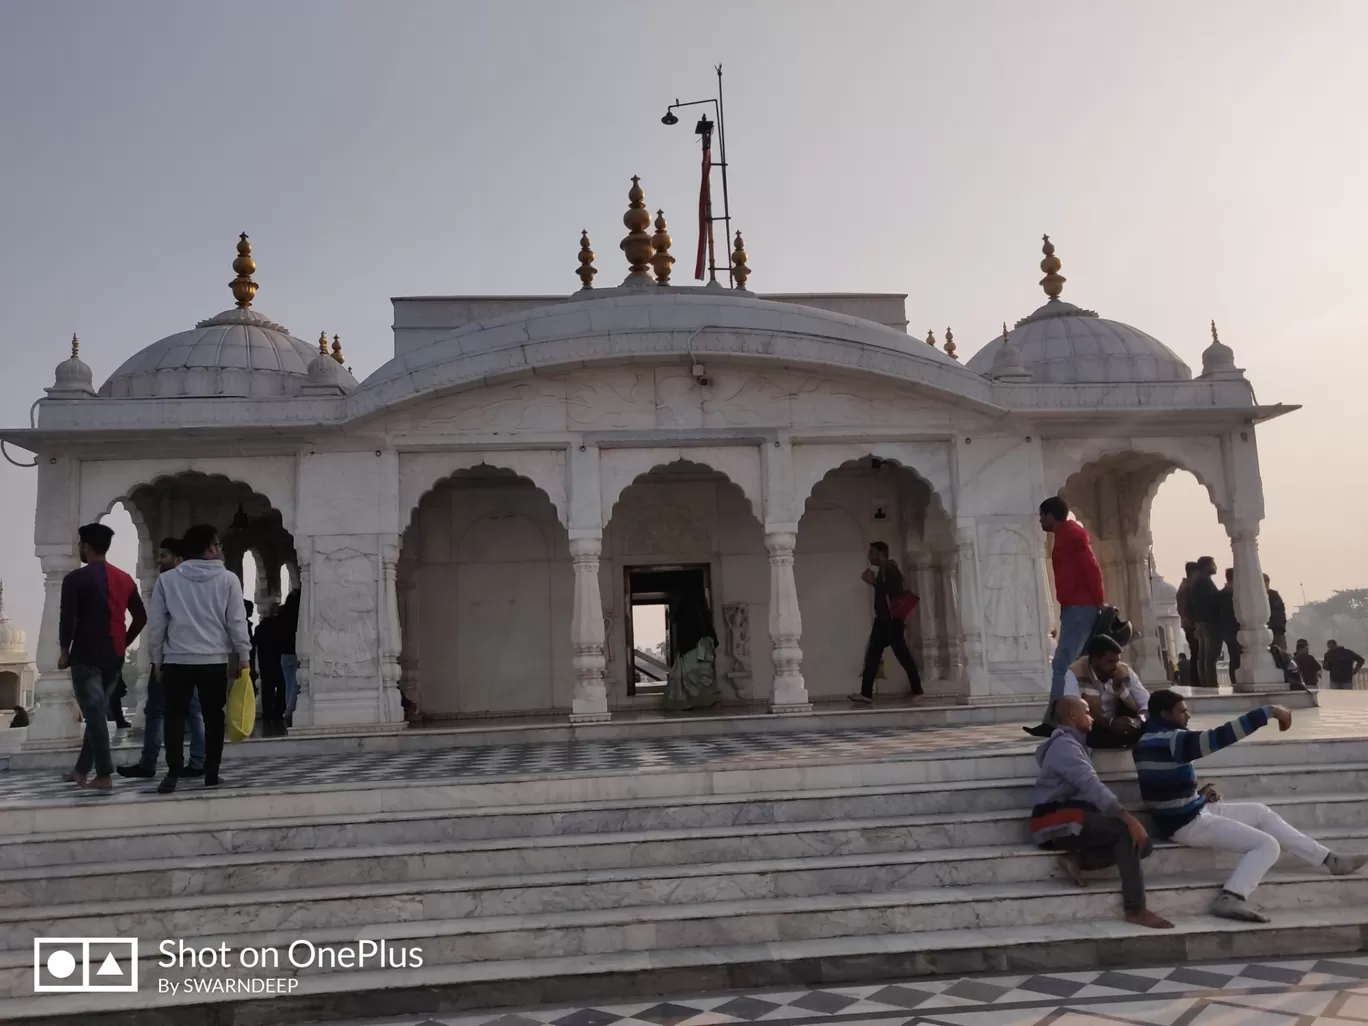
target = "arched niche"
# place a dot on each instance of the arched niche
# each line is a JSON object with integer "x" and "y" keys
{"x": 420, "y": 472}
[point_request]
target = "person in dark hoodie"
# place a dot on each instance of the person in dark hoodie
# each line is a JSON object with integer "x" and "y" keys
{"x": 1230, "y": 623}
{"x": 1204, "y": 599}
{"x": 1075, "y": 813}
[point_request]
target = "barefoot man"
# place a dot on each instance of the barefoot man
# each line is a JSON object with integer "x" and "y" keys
{"x": 1075, "y": 813}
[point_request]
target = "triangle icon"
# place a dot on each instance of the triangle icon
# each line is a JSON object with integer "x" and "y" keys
{"x": 109, "y": 967}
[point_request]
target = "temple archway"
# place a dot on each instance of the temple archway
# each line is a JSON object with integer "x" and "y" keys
{"x": 862, "y": 501}
{"x": 683, "y": 547}
{"x": 485, "y": 587}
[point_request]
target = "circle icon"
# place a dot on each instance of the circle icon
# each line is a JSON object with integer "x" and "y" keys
{"x": 61, "y": 964}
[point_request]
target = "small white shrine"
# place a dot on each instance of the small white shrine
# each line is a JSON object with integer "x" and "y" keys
{"x": 476, "y": 523}
{"x": 18, "y": 673}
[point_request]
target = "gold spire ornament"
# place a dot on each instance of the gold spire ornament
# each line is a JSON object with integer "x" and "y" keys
{"x": 244, "y": 289}
{"x": 660, "y": 242}
{"x": 740, "y": 272}
{"x": 1215, "y": 338}
{"x": 637, "y": 244}
{"x": 950, "y": 344}
{"x": 931, "y": 339}
{"x": 337, "y": 349}
{"x": 1053, "y": 282}
{"x": 323, "y": 343}
{"x": 586, "y": 270}
{"x": 76, "y": 345}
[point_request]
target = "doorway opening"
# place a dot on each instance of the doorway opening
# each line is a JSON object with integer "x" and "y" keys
{"x": 669, "y": 606}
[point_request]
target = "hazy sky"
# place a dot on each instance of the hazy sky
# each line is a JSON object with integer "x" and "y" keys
{"x": 1190, "y": 161}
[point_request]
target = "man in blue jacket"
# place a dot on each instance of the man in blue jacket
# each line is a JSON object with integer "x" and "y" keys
{"x": 1197, "y": 817}
{"x": 1075, "y": 813}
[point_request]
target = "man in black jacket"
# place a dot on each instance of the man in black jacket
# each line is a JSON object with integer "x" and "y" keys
{"x": 1277, "y": 617}
{"x": 1230, "y": 624}
{"x": 1204, "y": 599}
{"x": 888, "y": 630}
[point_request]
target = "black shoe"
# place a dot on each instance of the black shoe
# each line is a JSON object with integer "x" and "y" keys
{"x": 193, "y": 771}
{"x": 136, "y": 770}
{"x": 1043, "y": 730}
{"x": 211, "y": 780}
{"x": 122, "y": 724}
{"x": 168, "y": 784}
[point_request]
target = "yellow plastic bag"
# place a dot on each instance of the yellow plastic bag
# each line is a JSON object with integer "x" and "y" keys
{"x": 241, "y": 708}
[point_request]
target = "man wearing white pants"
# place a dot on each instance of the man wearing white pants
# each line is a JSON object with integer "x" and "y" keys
{"x": 1197, "y": 817}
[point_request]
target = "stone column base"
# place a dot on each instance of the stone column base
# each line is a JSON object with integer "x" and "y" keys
{"x": 590, "y": 717}
{"x": 794, "y": 709}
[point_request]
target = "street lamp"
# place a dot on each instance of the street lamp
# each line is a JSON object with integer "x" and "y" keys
{"x": 704, "y": 129}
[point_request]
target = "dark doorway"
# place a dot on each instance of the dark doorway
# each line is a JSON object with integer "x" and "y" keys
{"x": 668, "y": 607}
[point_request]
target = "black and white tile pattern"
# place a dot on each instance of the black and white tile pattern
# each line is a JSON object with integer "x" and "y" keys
{"x": 451, "y": 765}
{"x": 1309, "y": 992}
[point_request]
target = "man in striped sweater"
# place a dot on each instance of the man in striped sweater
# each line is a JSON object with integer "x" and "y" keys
{"x": 1196, "y": 817}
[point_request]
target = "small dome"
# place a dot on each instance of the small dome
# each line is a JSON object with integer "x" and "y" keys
{"x": 12, "y": 638}
{"x": 73, "y": 377}
{"x": 1061, "y": 343}
{"x": 327, "y": 374}
{"x": 236, "y": 353}
{"x": 1163, "y": 598}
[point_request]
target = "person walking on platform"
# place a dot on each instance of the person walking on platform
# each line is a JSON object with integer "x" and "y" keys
{"x": 1078, "y": 587}
{"x": 892, "y": 604}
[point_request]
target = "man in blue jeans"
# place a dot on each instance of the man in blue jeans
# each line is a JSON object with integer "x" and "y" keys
{"x": 154, "y": 711}
{"x": 94, "y": 632}
{"x": 1078, "y": 587}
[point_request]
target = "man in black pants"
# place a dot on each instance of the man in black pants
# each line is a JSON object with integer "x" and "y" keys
{"x": 197, "y": 637}
{"x": 889, "y": 629}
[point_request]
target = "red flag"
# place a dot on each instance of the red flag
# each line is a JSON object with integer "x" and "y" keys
{"x": 704, "y": 204}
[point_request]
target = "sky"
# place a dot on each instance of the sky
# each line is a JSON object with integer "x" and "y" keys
{"x": 1189, "y": 161}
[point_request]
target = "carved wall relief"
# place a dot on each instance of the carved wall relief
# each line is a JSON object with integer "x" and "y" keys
{"x": 1011, "y": 617}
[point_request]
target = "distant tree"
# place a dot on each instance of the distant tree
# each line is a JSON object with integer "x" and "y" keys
{"x": 1343, "y": 616}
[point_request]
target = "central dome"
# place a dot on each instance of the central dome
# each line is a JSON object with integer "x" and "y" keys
{"x": 235, "y": 353}
{"x": 1063, "y": 344}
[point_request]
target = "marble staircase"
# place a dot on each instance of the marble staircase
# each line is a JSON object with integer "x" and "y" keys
{"x": 767, "y": 868}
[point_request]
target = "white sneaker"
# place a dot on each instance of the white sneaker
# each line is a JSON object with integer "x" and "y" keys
{"x": 1232, "y": 906}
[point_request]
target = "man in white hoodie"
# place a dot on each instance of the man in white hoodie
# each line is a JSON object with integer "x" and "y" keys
{"x": 197, "y": 640}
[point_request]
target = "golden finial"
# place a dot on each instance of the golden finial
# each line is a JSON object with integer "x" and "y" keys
{"x": 244, "y": 289}
{"x": 76, "y": 346}
{"x": 1214, "y": 336}
{"x": 931, "y": 339}
{"x": 637, "y": 244}
{"x": 740, "y": 272}
{"x": 586, "y": 270}
{"x": 660, "y": 242}
{"x": 323, "y": 343}
{"x": 1004, "y": 331}
{"x": 1053, "y": 282}
{"x": 950, "y": 344}
{"x": 337, "y": 349}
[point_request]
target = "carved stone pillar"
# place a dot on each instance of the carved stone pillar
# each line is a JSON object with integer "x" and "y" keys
{"x": 409, "y": 662}
{"x": 926, "y": 615}
{"x": 789, "y": 694}
{"x": 970, "y": 615}
{"x": 947, "y": 593}
{"x": 1139, "y": 610}
{"x": 303, "y": 714}
{"x": 55, "y": 716}
{"x": 137, "y": 694}
{"x": 590, "y": 703}
{"x": 1257, "y": 672}
{"x": 391, "y": 638}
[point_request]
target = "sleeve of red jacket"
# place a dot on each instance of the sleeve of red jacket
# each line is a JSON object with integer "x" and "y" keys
{"x": 1089, "y": 570}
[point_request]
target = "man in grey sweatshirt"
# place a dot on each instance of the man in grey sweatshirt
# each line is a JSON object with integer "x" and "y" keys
{"x": 1075, "y": 813}
{"x": 197, "y": 640}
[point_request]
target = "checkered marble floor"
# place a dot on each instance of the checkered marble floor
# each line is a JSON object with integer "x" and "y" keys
{"x": 1344, "y": 715}
{"x": 1310, "y": 992}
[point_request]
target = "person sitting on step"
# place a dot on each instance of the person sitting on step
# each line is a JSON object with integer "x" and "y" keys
{"x": 1196, "y": 817}
{"x": 1115, "y": 696}
{"x": 1077, "y": 814}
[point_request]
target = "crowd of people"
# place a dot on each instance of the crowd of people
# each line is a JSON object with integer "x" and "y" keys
{"x": 1097, "y": 701}
{"x": 198, "y": 635}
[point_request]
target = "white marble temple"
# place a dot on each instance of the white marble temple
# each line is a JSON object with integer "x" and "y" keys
{"x": 442, "y": 515}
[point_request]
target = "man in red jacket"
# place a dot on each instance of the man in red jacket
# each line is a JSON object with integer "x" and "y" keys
{"x": 1078, "y": 587}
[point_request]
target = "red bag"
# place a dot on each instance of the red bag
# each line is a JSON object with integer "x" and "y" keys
{"x": 901, "y": 607}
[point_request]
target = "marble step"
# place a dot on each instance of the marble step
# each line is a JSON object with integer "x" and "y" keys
{"x": 986, "y": 909}
{"x": 368, "y": 901}
{"x": 934, "y": 712}
{"x": 196, "y": 824}
{"x": 441, "y": 988}
{"x": 523, "y": 858}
